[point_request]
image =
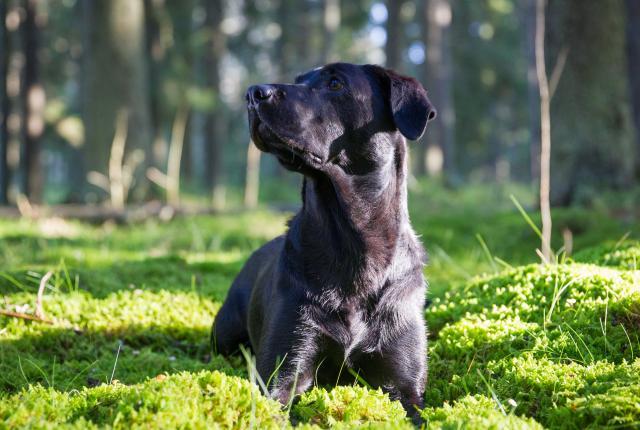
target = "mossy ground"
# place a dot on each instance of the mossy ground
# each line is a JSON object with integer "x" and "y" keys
{"x": 526, "y": 346}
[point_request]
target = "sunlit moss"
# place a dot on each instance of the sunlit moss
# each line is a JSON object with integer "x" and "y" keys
{"x": 201, "y": 400}
{"x": 477, "y": 413}
{"x": 350, "y": 405}
{"x": 624, "y": 255}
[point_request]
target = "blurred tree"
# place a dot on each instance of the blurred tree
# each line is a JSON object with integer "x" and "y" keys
{"x": 490, "y": 91}
{"x": 156, "y": 53}
{"x": 440, "y": 141}
{"x": 393, "y": 45}
{"x": 591, "y": 123}
{"x": 116, "y": 80}
{"x": 284, "y": 49}
{"x": 304, "y": 33}
{"x": 215, "y": 126}
{"x": 633, "y": 64}
{"x": 545, "y": 130}
{"x": 331, "y": 24}
{"x": 33, "y": 104}
{"x": 4, "y": 104}
{"x": 528, "y": 19}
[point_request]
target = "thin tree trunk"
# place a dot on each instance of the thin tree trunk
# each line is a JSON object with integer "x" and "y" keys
{"x": 252, "y": 179}
{"x": 215, "y": 124}
{"x": 4, "y": 105}
{"x": 439, "y": 158}
{"x": 633, "y": 65}
{"x": 33, "y": 105}
{"x": 393, "y": 46}
{"x": 545, "y": 131}
{"x": 175, "y": 155}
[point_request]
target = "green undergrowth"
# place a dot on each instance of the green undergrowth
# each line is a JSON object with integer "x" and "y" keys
{"x": 559, "y": 342}
{"x": 188, "y": 400}
{"x": 476, "y": 412}
{"x": 348, "y": 405}
{"x": 625, "y": 255}
{"x": 130, "y": 308}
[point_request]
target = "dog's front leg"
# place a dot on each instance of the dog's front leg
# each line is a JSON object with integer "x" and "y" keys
{"x": 406, "y": 361}
{"x": 288, "y": 363}
{"x": 294, "y": 380}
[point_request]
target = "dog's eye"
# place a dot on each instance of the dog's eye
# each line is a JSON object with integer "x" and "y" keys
{"x": 335, "y": 84}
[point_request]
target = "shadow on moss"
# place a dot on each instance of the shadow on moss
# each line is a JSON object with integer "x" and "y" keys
{"x": 67, "y": 359}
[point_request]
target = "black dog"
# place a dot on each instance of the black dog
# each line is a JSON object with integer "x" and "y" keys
{"x": 343, "y": 288}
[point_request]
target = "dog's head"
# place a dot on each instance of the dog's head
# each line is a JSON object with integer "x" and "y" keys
{"x": 337, "y": 114}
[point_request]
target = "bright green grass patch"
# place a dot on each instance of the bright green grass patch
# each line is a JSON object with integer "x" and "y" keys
{"x": 132, "y": 334}
{"x": 349, "y": 405}
{"x": 621, "y": 255}
{"x": 477, "y": 413}
{"x": 569, "y": 394}
{"x": 188, "y": 400}
{"x": 197, "y": 400}
{"x": 557, "y": 340}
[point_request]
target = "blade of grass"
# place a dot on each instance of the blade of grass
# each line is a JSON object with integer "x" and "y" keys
{"x": 487, "y": 253}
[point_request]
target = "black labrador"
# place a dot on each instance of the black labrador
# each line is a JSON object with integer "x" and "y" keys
{"x": 342, "y": 292}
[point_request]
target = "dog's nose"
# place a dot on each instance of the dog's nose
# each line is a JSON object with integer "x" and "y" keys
{"x": 260, "y": 93}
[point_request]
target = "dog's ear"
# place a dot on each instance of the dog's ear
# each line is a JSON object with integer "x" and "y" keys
{"x": 410, "y": 106}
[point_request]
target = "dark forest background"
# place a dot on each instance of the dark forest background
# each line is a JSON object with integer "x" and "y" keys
{"x": 125, "y": 101}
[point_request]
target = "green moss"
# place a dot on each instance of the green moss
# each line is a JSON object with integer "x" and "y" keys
{"x": 556, "y": 339}
{"x": 570, "y": 394}
{"x": 624, "y": 255}
{"x": 202, "y": 400}
{"x": 137, "y": 301}
{"x": 350, "y": 405}
{"x": 148, "y": 332}
{"x": 476, "y": 412}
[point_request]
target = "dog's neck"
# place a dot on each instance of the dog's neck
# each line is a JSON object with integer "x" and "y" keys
{"x": 352, "y": 222}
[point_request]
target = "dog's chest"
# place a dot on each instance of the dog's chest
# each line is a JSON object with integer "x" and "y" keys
{"x": 348, "y": 328}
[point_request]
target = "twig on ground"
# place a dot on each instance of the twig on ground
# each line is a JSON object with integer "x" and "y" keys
{"x": 23, "y": 316}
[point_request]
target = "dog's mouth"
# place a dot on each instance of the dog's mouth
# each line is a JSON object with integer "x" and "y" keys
{"x": 289, "y": 153}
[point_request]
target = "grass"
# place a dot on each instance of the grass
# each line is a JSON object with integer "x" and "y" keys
{"x": 512, "y": 344}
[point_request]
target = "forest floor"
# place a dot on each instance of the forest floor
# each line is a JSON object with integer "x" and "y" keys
{"x": 513, "y": 344}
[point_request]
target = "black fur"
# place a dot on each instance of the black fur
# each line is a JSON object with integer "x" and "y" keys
{"x": 344, "y": 287}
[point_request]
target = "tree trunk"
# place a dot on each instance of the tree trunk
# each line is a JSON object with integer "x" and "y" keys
{"x": 117, "y": 81}
{"x": 283, "y": 52}
{"x": 4, "y": 105}
{"x": 592, "y": 130}
{"x": 633, "y": 65}
{"x": 331, "y": 22}
{"x": 155, "y": 55}
{"x": 215, "y": 123}
{"x": 252, "y": 178}
{"x": 33, "y": 105}
{"x": 303, "y": 36}
{"x": 439, "y": 159}
{"x": 393, "y": 46}
{"x": 545, "y": 131}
